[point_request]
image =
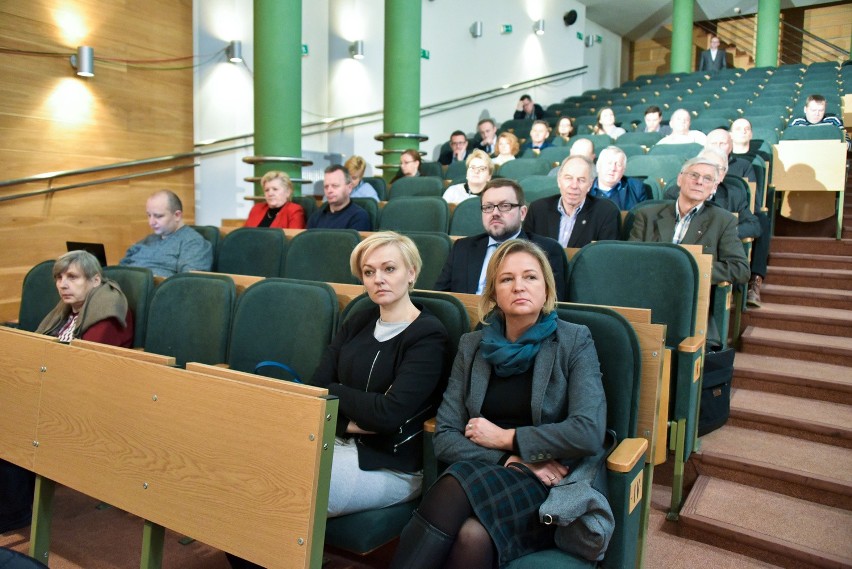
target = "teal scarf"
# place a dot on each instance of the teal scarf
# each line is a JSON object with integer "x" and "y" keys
{"x": 511, "y": 358}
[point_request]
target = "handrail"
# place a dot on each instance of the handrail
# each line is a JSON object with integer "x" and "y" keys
{"x": 816, "y": 38}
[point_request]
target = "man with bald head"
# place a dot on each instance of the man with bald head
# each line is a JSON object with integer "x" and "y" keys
{"x": 680, "y": 123}
{"x": 721, "y": 139}
{"x": 173, "y": 247}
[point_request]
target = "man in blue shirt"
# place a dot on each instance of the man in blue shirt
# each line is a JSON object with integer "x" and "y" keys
{"x": 173, "y": 247}
{"x": 611, "y": 182}
{"x": 339, "y": 212}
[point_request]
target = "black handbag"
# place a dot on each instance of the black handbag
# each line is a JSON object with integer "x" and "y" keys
{"x": 716, "y": 390}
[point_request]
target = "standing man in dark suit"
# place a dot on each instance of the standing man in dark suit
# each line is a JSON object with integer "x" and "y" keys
{"x": 690, "y": 221}
{"x": 712, "y": 59}
{"x": 574, "y": 218}
{"x": 503, "y": 211}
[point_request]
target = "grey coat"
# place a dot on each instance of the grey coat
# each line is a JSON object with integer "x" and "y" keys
{"x": 568, "y": 402}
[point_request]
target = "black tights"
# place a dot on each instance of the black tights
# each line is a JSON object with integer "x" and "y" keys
{"x": 447, "y": 508}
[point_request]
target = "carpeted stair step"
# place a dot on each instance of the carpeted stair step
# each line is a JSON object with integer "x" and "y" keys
{"x": 809, "y": 260}
{"x": 786, "y": 344}
{"x": 811, "y": 245}
{"x": 808, "y": 277}
{"x": 810, "y": 319}
{"x": 770, "y": 526}
{"x": 819, "y": 421}
{"x": 806, "y": 296}
{"x": 820, "y": 381}
{"x": 796, "y": 467}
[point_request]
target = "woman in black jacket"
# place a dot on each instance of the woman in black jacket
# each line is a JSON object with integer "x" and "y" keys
{"x": 388, "y": 366}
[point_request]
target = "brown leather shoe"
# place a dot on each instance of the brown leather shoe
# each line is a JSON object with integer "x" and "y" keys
{"x": 753, "y": 296}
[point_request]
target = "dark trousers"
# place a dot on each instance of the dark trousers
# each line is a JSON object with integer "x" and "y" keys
{"x": 16, "y": 496}
{"x": 760, "y": 247}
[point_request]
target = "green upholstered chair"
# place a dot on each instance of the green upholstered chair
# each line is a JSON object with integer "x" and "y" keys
{"x": 664, "y": 169}
{"x": 190, "y": 318}
{"x": 415, "y": 214}
{"x": 416, "y": 186}
{"x": 812, "y": 132}
{"x": 684, "y": 151}
{"x": 363, "y": 532}
{"x": 430, "y": 169}
{"x": 600, "y": 141}
{"x": 268, "y": 326}
{"x": 631, "y": 149}
{"x": 537, "y": 187}
{"x": 706, "y": 124}
{"x": 379, "y": 185}
{"x": 321, "y": 255}
{"x": 664, "y": 278}
{"x": 646, "y": 139}
{"x": 308, "y": 203}
{"x": 434, "y": 247}
{"x": 467, "y": 218}
{"x": 620, "y": 358}
{"x": 518, "y": 127}
{"x": 212, "y": 235}
{"x": 371, "y": 206}
{"x": 456, "y": 172}
{"x": 554, "y": 155}
{"x": 137, "y": 284}
{"x": 257, "y": 251}
{"x": 38, "y": 296}
{"x": 520, "y": 168}
{"x": 10, "y": 559}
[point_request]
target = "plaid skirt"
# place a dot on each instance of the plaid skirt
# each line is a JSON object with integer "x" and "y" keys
{"x": 506, "y": 502}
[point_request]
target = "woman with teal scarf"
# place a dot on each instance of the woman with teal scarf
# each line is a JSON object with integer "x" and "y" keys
{"x": 523, "y": 406}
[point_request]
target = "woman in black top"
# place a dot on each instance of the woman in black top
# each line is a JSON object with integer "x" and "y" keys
{"x": 388, "y": 367}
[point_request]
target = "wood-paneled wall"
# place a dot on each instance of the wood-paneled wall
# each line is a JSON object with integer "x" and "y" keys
{"x": 51, "y": 120}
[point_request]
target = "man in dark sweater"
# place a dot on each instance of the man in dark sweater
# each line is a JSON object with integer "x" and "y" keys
{"x": 339, "y": 212}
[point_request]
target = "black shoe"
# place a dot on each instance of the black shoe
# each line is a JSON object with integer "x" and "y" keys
{"x": 421, "y": 545}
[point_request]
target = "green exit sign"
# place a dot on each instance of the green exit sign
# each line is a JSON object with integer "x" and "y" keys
{"x": 304, "y": 49}
{"x": 424, "y": 54}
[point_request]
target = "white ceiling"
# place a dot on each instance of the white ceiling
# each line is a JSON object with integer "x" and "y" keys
{"x": 637, "y": 19}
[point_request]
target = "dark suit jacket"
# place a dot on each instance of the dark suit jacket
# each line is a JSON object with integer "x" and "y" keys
{"x": 538, "y": 113}
{"x": 707, "y": 63}
{"x": 730, "y": 198}
{"x": 446, "y": 157}
{"x": 598, "y": 221}
{"x": 464, "y": 265}
{"x": 713, "y": 228}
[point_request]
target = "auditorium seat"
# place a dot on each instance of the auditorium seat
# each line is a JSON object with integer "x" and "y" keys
{"x": 190, "y": 318}
{"x": 257, "y": 251}
{"x": 321, "y": 255}
{"x": 137, "y": 284}
{"x": 371, "y": 206}
{"x": 308, "y": 203}
{"x": 467, "y": 218}
{"x": 212, "y": 235}
{"x": 434, "y": 248}
{"x": 269, "y": 325}
{"x": 537, "y": 187}
{"x": 38, "y": 296}
{"x": 520, "y": 168}
{"x": 379, "y": 185}
{"x": 416, "y": 186}
{"x": 415, "y": 214}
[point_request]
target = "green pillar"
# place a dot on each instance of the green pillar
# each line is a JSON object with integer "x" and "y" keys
{"x": 278, "y": 84}
{"x": 682, "y": 21}
{"x": 768, "y": 19}
{"x": 402, "y": 78}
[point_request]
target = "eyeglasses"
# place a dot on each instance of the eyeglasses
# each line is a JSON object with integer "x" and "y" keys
{"x": 695, "y": 176}
{"x": 406, "y": 163}
{"x": 477, "y": 169}
{"x": 504, "y": 207}
{"x": 458, "y": 143}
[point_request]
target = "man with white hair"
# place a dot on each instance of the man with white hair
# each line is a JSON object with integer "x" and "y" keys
{"x": 611, "y": 182}
{"x": 680, "y": 122}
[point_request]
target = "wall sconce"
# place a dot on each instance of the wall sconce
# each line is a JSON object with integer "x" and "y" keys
{"x": 234, "y": 51}
{"x": 84, "y": 61}
{"x": 356, "y": 50}
{"x": 538, "y": 27}
{"x": 476, "y": 30}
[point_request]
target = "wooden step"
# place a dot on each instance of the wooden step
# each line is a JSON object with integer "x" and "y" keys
{"x": 797, "y": 378}
{"x": 811, "y": 245}
{"x": 806, "y": 296}
{"x": 808, "y": 277}
{"x": 788, "y": 465}
{"x": 819, "y": 421}
{"x": 799, "y": 345}
{"x": 811, "y": 319}
{"x": 782, "y": 259}
{"x": 773, "y": 527}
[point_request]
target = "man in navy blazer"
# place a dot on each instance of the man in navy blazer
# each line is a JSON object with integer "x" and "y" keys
{"x": 574, "y": 218}
{"x": 712, "y": 59}
{"x": 503, "y": 211}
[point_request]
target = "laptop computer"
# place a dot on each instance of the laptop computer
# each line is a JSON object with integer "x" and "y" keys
{"x": 96, "y": 249}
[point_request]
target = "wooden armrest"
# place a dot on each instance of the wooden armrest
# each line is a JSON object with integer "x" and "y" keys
{"x": 722, "y": 284}
{"x": 429, "y": 425}
{"x": 691, "y": 344}
{"x": 626, "y": 455}
{"x": 747, "y": 239}
{"x": 223, "y": 366}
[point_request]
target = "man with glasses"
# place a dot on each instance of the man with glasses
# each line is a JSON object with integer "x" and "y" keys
{"x": 689, "y": 221}
{"x": 503, "y": 211}
{"x": 574, "y": 218}
{"x": 457, "y": 151}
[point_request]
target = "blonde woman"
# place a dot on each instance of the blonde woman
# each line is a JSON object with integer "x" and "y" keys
{"x": 508, "y": 147}
{"x": 480, "y": 168}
